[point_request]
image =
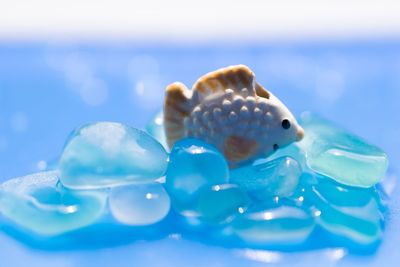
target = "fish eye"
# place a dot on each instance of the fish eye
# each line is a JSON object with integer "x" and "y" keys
{"x": 285, "y": 124}
{"x": 276, "y": 147}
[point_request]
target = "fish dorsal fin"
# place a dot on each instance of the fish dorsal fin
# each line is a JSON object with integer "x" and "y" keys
{"x": 234, "y": 77}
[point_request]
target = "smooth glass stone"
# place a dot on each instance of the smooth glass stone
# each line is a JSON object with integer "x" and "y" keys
{"x": 352, "y": 213}
{"x": 221, "y": 203}
{"x": 155, "y": 128}
{"x": 192, "y": 165}
{"x": 109, "y": 154}
{"x": 278, "y": 177}
{"x": 37, "y": 203}
{"x": 340, "y": 155}
{"x": 341, "y": 195}
{"x": 139, "y": 204}
{"x": 284, "y": 225}
{"x": 293, "y": 151}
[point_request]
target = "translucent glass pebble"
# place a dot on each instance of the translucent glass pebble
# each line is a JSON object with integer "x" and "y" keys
{"x": 351, "y": 213}
{"x": 341, "y": 155}
{"x": 36, "y": 203}
{"x": 284, "y": 225}
{"x": 109, "y": 154}
{"x": 293, "y": 151}
{"x": 192, "y": 165}
{"x": 278, "y": 177}
{"x": 139, "y": 204}
{"x": 221, "y": 203}
{"x": 156, "y": 129}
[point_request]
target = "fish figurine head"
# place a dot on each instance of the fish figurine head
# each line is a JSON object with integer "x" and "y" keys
{"x": 230, "y": 110}
{"x": 282, "y": 128}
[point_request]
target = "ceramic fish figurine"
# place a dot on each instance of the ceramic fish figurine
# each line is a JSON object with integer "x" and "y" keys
{"x": 230, "y": 110}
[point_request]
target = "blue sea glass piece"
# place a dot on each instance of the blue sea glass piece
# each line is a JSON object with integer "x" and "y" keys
{"x": 340, "y": 155}
{"x": 350, "y": 213}
{"x": 283, "y": 225}
{"x": 192, "y": 165}
{"x": 278, "y": 177}
{"x": 221, "y": 203}
{"x": 36, "y": 203}
{"x": 139, "y": 204}
{"x": 108, "y": 154}
{"x": 156, "y": 129}
{"x": 293, "y": 151}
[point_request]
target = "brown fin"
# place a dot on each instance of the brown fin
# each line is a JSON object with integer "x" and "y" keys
{"x": 261, "y": 91}
{"x": 176, "y": 108}
{"x": 238, "y": 148}
{"x": 233, "y": 77}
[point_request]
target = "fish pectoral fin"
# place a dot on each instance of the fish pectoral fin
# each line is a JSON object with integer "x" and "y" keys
{"x": 237, "y": 148}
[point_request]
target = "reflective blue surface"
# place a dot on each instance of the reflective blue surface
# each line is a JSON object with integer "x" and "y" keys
{"x": 48, "y": 90}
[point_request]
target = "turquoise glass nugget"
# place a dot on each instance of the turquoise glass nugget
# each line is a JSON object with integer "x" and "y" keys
{"x": 139, "y": 204}
{"x": 284, "y": 225}
{"x": 36, "y": 203}
{"x": 221, "y": 203}
{"x": 107, "y": 154}
{"x": 352, "y": 213}
{"x": 192, "y": 165}
{"x": 278, "y": 177}
{"x": 155, "y": 127}
{"x": 340, "y": 155}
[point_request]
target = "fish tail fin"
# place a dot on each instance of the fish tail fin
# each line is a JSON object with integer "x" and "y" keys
{"x": 176, "y": 108}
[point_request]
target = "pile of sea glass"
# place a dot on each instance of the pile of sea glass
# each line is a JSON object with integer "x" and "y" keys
{"x": 323, "y": 186}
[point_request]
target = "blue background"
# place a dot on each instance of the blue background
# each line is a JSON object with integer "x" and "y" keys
{"x": 48, "y": 89}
